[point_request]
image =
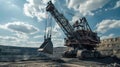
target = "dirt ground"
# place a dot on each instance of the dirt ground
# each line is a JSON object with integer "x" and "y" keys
{"x": 64, "y": 62}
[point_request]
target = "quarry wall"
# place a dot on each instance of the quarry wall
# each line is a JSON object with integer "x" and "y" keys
{"x": 110, "y": 42}
{"x": 110, "y": 46}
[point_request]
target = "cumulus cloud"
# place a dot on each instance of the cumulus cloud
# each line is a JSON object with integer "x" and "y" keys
{"x": 57, "y": 36}
{"x": 57, "y": 32}
{"x": 85, "y": 7}
{"x": 75, "y": 17}
{"x": 18, "y": 33}
{"x": 36, "y": 8}
{"x": 22, "y": 37}
{"x": 117, "y": 5}
{"x": 107, "y": 36}
{"x": 21, "y": 27}
{"x": 106, "y": 25}
{"x": 9, "y": 4}
{"x": 34, "y": 43}
{"x": 18, "y": 41}
{"x": 38, "y": 36}
{"x": 8, "y": 38}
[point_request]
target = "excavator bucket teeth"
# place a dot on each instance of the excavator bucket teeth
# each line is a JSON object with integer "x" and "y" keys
{"x": 47, "y": 46}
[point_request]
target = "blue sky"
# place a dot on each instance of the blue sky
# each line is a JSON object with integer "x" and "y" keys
{"x": 22, "y": 22}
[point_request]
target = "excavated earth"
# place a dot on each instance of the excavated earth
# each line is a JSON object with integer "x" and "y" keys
{"x": 110, "y": 48}
{"x": 63, "y": 62}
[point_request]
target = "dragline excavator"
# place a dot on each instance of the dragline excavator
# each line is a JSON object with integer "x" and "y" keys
{"x": 80, "y": 39}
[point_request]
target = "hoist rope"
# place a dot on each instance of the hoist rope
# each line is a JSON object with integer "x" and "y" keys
{"x": 45, "y": 26}
{"x": 48, "y": 26}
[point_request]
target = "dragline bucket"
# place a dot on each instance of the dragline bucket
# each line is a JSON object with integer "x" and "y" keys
{"x": 47, "y": 46}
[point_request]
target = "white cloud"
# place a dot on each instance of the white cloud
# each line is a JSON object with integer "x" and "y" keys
{"x": 20, "y": 34}
{"x": 9, "y": 5}
{"x": 38, "y": 36}
{"x": 21, "y": 41}
{"x": 8, "y": 38}
{"x": 108, "y": 36}
{"x": 56, "y": 31}
{"x": 75, "y": 18}
{"x": 85, "y": 7}
{"x": 36, "y": 8}
{"x": 106, "y": 25}
{"x": 21, "y": 27}
{"x": 58, "y": 43}
{"x": 57, "y": 36}
{"x": 117, "y": 5}
{"x": 34, "y": 43}
{"x": 22, "y": 37}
